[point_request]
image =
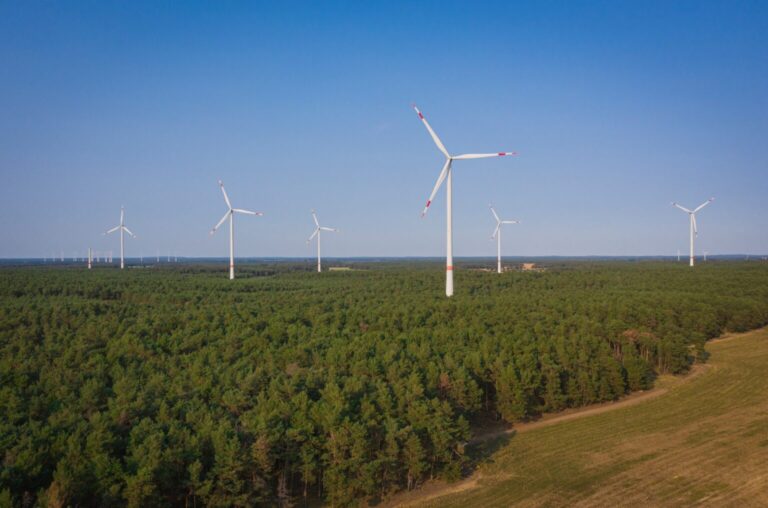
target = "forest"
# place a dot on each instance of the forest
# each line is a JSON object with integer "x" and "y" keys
{"x": 177, "y": 387}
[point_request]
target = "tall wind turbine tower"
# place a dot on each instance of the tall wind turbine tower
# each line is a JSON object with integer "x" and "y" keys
{"x": 231, "y": 216}
{"x": 447, "y": 174}
{"x": 497, "y": 235}
{"x": 316, "y": 233}
{"x": 692, "y": 219}
{"x": 121, "y": 227}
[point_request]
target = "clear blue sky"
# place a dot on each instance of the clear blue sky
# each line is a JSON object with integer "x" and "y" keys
{"x": 617, "y": 108}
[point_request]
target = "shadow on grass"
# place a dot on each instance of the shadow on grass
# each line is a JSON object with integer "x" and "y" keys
{"x": 481, "y": 451}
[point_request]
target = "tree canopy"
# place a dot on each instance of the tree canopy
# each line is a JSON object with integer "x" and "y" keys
{"x": 160, "y": 387}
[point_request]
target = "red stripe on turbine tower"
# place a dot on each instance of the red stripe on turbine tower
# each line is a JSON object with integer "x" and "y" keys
{"x": 449, "y": 267}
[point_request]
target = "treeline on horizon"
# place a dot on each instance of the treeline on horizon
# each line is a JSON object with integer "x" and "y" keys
{"x": 179, "y": 387}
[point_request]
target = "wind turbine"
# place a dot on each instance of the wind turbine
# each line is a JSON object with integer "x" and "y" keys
{"x": 446, "y": 173}
{"x": 316, "y": 233}
{"x": 692, "y": 214}
{"x": 497, "y": 235}
{"x": 231, "y": 216}
{"x": 122, "y": 229}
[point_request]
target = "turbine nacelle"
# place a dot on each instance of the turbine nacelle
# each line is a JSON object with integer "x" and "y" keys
{"x": 694, "y": 231}
{"x": 231, "y": 211}
{"x": 446, "y": 174}
{"x": 692, "y": 213}
{"x": 499, "y": 222}
{"x": 316, "y": 233}
{"x": 319, "y": 228}
{"x": 449, "y": 158}
{"x": 123, "y": 229}
{"x": 230, "y": 214}
{"x": 120, "y": 226}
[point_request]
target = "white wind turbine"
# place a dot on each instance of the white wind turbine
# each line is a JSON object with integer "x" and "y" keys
{"x": 447, "y": 173}
{"x": 692, "y": 214}
{"x": 231, "y": 216}
{"x": 316, "y": 233}
{"x": 122, "y": 229}
{"x": 497, "y": 235}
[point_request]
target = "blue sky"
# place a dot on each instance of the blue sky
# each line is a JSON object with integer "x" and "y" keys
{"x": 616, "y": 108}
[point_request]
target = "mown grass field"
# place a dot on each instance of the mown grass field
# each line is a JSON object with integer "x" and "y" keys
{"x": 703, "y": 442}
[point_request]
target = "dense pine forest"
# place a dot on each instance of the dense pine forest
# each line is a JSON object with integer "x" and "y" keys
{"x": 158, "y": 387}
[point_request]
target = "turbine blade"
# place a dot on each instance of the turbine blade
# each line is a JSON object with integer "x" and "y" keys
{"x": 122, "y": 215}
{"x": 494, "y": 213}
{"x": 703, "y": 205}
{"x": 128, "y": 231}
{"x": 314, "y": 218}
{"x": 226, "y": 198}
{"x": 226, "y": 216}
{"x": 437, "y": 141}
{"x": 443, "y": 174}
{"x": 247, "y": 212}
{"x": 496, "y": 231}
{"x": 329, "y": 229}
{"x": 695, "y": 229}
{"x": 314, "y": 234}
{"x": 483, "y": 155}
{"x": 510, "y": 222}
{"x": 682, "y": 208}
{"x": 116, "y": 228}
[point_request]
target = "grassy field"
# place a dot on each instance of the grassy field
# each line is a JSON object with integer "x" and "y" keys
{"x": 703, "y": 441}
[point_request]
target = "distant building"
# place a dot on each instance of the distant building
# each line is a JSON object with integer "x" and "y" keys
{"x": 529, "y": 266}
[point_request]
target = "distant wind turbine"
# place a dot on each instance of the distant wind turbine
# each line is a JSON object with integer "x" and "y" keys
{"x": 231, "y": 216}
{"x": 497, "y": 235}
{"x": 692, "y": 215}
{"x": 446, "y": 173}
{"x": 121, "y": 227}
{"x": 316, "y": 233}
